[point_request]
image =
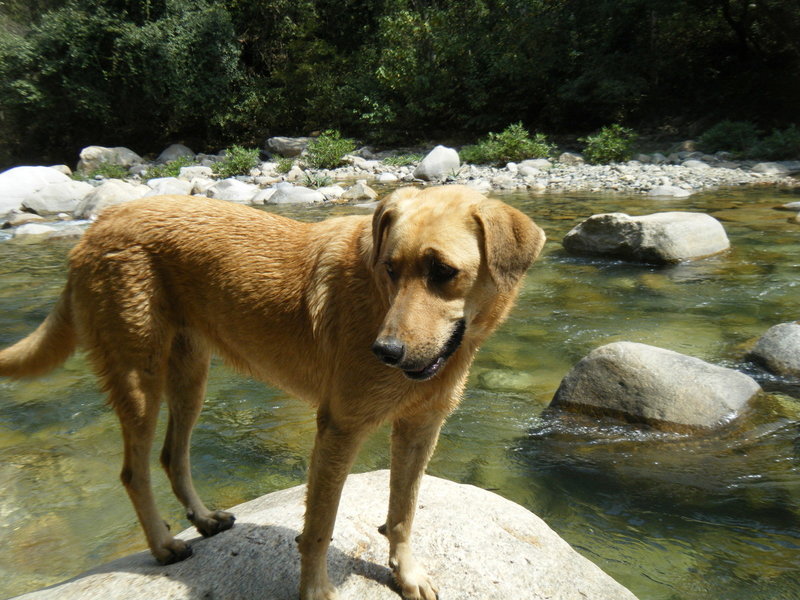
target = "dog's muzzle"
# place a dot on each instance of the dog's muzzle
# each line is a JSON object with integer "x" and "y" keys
{"x": 391, "y": 351}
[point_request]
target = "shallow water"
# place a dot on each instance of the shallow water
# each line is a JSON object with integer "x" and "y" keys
{"x": 670, "y": 516}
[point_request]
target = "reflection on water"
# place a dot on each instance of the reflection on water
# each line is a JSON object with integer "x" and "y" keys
{"x": 671, "y": 516}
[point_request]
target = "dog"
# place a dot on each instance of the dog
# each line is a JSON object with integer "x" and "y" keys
{"x": 369, "y": 318}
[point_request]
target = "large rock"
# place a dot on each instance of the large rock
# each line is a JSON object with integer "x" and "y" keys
{"x": 58, "y": 197}
{"x": 288, "y": 146}
{"x": 233, "y": 190}
{"x": 92, "y": 157}
{"x": 109, "y": 193}
{"x": 19, "y": 183}
{"x": 779, "y": 349}
{"x": 475, "y": 545}
{"x": 168, "y": 185}
{"x": 666, "y": 237}
{"x": 175, "y": 152}
{"x": 439, "y": 163}
{"x": 359, "y": 192}
{"x": 652, "y": 385}
{"x": 286, "y": 193}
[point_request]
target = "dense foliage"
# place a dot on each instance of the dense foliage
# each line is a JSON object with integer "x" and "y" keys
{"x": 210, "y": 73}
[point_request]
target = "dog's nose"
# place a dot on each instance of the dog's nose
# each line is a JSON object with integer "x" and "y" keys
{"x": 389, "y": 350}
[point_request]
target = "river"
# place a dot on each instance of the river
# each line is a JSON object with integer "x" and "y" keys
{"x": 671, "y": 516}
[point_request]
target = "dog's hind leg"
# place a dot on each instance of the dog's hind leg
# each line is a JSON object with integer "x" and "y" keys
{"x": 186, "y": 383}
{"x": 136, "y": 396}
{"x": 413, "y": 442}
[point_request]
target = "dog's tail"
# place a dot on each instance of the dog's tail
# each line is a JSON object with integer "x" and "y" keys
{"x": 44, "y": 349}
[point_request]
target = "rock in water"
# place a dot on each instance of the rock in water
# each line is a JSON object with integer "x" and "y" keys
{"x": 652, "y": 385}
{"x": 666, "y": 237}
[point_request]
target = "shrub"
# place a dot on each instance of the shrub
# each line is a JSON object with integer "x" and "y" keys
{"x": 730, "y": 136}
{"x": 328, "y": 150}
{"x": 402, "y": 160}
{"x": 285, "y": 164}
{"x": 316, "y": 181}
{"x": 170, "y": 169}
{"x": 613, "y": 143}
{"x": 104, "y": 170}
{"x": 237, "y": 161}
{"x": 779, "y": 145}
{"x": 513, "y": 144}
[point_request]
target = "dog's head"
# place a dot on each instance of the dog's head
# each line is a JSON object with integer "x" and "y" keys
{"x": 449, "y": 262}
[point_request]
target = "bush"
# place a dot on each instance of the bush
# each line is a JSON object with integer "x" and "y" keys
{"x": 328, "y": 150}
{"x": 403, "y": 160}
{"x": 170, "y": 169}
{"x": 237, "y": 161}
{"x": 285, "y": 164}
{"x": 613, "y": 143}
{"x": 513, "y": 144}
{"x": 730, "y": 136}
{"x": 105, "y": 171}
{"x": 779, "y": 145}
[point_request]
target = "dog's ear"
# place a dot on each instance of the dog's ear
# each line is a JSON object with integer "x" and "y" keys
{"x": 511, "y": 242}
{"x": 384, "y": 217}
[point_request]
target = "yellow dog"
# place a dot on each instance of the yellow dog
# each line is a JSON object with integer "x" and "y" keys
{"x": 368, "y": 318}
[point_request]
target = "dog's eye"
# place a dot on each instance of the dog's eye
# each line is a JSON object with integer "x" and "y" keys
{"x": 441, "y": 273}
{"x": 390, "y": 270}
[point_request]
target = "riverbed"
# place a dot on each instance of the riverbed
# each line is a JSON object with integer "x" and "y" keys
{"x": 671, "y": 516}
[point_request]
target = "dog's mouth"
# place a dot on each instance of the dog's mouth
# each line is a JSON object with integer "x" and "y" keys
{"x": 437, "y": 363}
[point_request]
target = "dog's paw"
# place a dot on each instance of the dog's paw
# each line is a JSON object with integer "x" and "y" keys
{"x": 324, "y": 592}
{"x": 172, "y": 552}
{"x": 213, "y": 523}
{"x": 414, "y": 582}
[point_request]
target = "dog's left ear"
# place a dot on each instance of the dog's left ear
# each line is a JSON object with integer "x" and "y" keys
{"x": 511, "y": 242}
{"x": 384, "y": 217}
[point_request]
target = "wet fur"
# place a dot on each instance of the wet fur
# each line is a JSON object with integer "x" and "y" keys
{"x": 157, "y": 285}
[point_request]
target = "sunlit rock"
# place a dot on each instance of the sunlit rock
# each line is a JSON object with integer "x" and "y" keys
{"x": 779, "y": 349}
{"x": 652, "y": 385}
{"x": 473, "y": 543}
{"x": 666, "y": 237}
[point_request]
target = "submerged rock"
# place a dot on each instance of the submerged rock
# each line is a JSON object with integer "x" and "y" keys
{"x": 473, "y": 543}
{"x": 778, "y": 350}
{"x": 652, "y": 385}
{"x": 666, "y": 237}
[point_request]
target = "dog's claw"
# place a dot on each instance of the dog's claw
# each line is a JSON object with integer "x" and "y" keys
{"x": 174, "y": 551}
{"x": 214, "y": 523}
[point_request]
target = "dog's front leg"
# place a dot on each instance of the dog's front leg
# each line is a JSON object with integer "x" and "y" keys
{"x": 335, "y": 449}
{"x": 413, "y": 441}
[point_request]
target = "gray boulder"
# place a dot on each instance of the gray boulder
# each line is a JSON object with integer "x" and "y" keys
{"x": 669, "y": 191}
{"x": 92, "y": 157}
{"x": 57, "y": 197}
{"x": 655, "y": 386}
{"x": 540, "y": 164}
{"x": 439, "y": 163}
{"x": 359, "y": 192}
{"x": 175, "y": 152}
{"x": 666, "y": 237}
{"x": 190, "y": 173}
{"x": 571, "y": 158}
{"x": 473, "y": 543}
{"x": 19, "y": 183}
{"x": 779, "y": 349}
{"x": 288, "y": 146}
{"x": 109, "y": 193}
{"x": 286, "y": 193}
{"x": 233, "y": 190}
{"x": 161, "y": 186}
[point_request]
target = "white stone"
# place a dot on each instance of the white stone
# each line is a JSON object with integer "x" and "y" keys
{"x": 33, "y": 229}
{"x": 233, "y": 190}
{"x": 439, "y": 163}
{"x": 290, "y": 194}
{"x": 263, "y": 196}
{"x": 542, "y": 164}
{"x": 62, "y": 196}
{"x": 331, "y": 192}
{"x": 669, "y": 191}
{"x": 92, "y": 157}
{"x": 474, "y": 544}
{"x": 287, "y": 146}
{"x": 571, "y": 158}
{"x": 190, "y": 173}
{"x": 387, "y": 178}
{"x": 109, "y": 193}
{"x": 20, "y": 182}
{"x": 696, "y": 164}
{"x": 779, "y": 349}
{"x": 360, "y": 191}
{"x": 161, "y": 186}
